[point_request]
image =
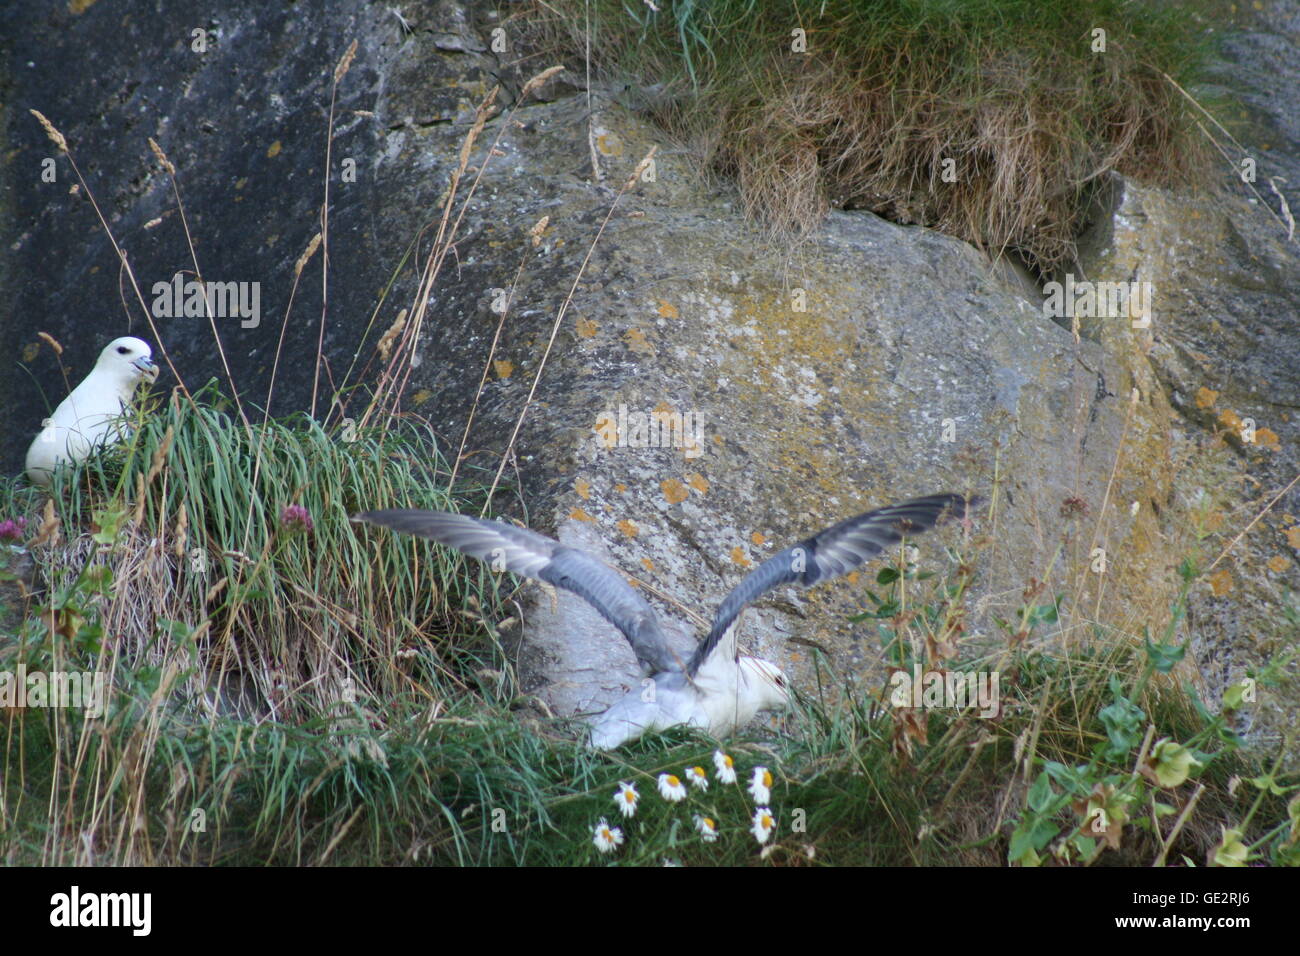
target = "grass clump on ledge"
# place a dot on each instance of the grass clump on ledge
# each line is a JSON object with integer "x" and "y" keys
{"x": 376, "y": 719}
{"x": 1008, "y": 97}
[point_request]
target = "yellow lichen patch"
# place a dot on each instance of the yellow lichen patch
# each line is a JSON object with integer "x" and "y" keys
{"x": 758, "y": 538}
{"x": 629, "y": 528}
{"x": 422, "y": 396}
{"x": 1293, "y": 537}
{"x": 1221, "y": 582}
{"x": 1267, "y": 438}
{"x": 698, "y": 482}
{"x": 621, "y": 488}
{"x": 852, "y": 577}
{"x": 608, "y": 143}
{"x": 583, "y": 487}
{"x": 1230, "y": 418}
{"x": 663, "y": 408}
{"x": 738, "y": 557}
{"x": 648, "y": 565}
{"x": 606, "y": 427}
{"x": 586, "y": 328}
{"x": 668, "y": 310}
{"x": 1279, "y": 563}
{"x": 637, "y": 342}
{"x": 273, "y": 150}
{"x": 674, "y": 491}
{"x": 1206, "y": 397}
{"x": 577, "y": 514}
{"x": 503, "y": 367}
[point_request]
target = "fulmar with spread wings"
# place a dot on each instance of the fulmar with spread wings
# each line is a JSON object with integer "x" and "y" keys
{"x": 718, "y": 689}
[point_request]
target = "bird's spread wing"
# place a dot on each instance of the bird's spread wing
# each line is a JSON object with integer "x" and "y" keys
{"x": 828, "y": 554}
{"x": 508, "y": 548}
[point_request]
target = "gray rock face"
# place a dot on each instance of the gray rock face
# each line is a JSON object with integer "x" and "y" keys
{"x": 882, "y": 363}
{"x": 1223, "y": 348}
{"x": 875, "y": 363}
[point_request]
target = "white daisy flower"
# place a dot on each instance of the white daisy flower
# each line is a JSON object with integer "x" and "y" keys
{"x": 697, "y": 777}
{"x": 726, "y": 767}
{"x": 764, "y": 824}
{"x": 626, "y": 798}
{"x": 708, "y": 829}
{"x": 607, "y": 837}
{"x": 671, "y": 788}
{"x": 760, "y": 787}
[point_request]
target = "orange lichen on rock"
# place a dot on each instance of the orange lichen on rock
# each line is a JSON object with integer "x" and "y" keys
{"x": 1267, "y": 438}
{"x": 1221, "y": 582}
{"x": 674, "y": 491}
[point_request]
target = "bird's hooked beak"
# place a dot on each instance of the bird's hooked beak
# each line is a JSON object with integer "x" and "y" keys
{"x": 147, "y": 368}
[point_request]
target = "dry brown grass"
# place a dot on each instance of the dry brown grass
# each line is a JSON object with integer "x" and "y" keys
{"x": 991, "y": 120}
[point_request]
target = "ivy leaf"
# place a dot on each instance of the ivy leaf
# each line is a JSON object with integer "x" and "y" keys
{"x": 1030, "y": 837}
{"x": 1170, "y": 763}
{"x": 1230, "y": 851}
{"x": 1163, "y": 657}
{"x": 109, "y": 524}
{"x": 1123, "y": 721}
{"x": 1073, "y": 779}
{"x": 1267, "y": 782}
{"x": 1232, "y": 696}
{"x": 1040, "y": 794}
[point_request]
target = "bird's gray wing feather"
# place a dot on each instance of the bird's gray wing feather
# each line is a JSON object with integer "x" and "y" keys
{"x": 828, "y": 554}
{"x": 505, "y": 547}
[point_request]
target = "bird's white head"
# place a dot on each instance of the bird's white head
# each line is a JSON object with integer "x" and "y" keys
{"x": 767, "y": 685}
{"x": 128, "y": 359}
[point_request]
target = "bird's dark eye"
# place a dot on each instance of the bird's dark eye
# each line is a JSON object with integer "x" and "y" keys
{"x": 123, "y": 350}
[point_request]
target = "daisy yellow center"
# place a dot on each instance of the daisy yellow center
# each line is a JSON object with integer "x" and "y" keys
{"x": 708, "y": 824}
{"x": 729, "y": 762}
{"x": 630, "y": 797}
{"x": 766, "y": 821}
{"x": 767, "y": 779}
{"x": 673, "y": 781}
{"x": 698, "y": 771}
